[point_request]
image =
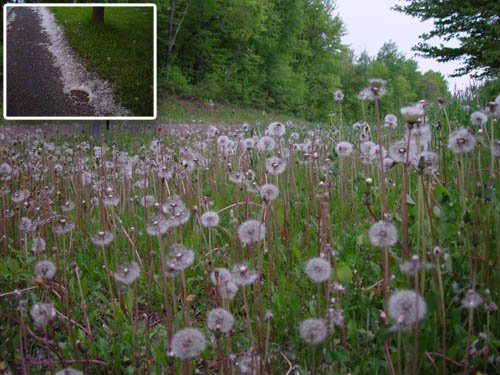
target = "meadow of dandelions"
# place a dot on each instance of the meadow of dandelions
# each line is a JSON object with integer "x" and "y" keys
{"x": 371, "y": 247}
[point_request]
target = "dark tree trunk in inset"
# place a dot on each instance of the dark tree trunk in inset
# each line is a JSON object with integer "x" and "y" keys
{"x": 98, "y": 14}
{"x": 95, "y": 129}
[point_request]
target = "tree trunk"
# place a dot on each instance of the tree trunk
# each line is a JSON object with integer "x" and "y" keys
{"x": 98, "y": 14}
{"x": 95, "y": 129}
{"x": 170, "y": 42}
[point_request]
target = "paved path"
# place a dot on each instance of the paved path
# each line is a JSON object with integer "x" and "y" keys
{"x": 34, "y": 87}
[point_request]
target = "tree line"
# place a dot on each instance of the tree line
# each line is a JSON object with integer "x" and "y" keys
{"x": 282, "y": 55}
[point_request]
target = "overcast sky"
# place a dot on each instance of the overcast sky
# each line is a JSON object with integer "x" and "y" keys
{"x": 371, "y": 23}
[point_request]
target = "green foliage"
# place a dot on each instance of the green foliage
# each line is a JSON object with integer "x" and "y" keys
{"x": 278, "y": 55}
{"x": 474, "y": 23}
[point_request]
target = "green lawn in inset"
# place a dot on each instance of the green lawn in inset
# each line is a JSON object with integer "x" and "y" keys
{"x": 119, "y": 50}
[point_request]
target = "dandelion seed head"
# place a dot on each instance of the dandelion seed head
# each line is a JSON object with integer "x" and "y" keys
{"x": 391, "y": 120}
{"x": 67, "y": 206}
{"x": 401, "y": 151}
{"x": 242, "y": 275}
{"x": 338, "y": 96}
{"x": 383, "y": 234}
{"x": 366, "y": 147}
{"x": 421, "y": 134}
{"x": 148, "y": 201}
{"x": 461, "y": 141}
{"x": 38, "y": 245}
{"x": 45, "y": 270}
{"x": 406, "y": 307}
{"x": 102, "y": 238}
{"x": 188, "y": 343}
{"x": 411, "y": 266}
{"x": 222, "y": 140}
{"x": 63, "y": 227}
{"x": 42, "y": 313}
{"x": 375, "y": 152}
{"x": 427, "y": 162}
{"x": 248, "y": 143}
{"x": 266, "y": 143}
{"x": 344, "y": 149}
{"x": 127, "y": 273}
{"x": 472, "y": 299}
{"x": 5, "y": 169}
{"x": 157, "y": 225}
{"x": 220, "y": 320}
{"x": 210, "y": 219}
{"x": 275, "y": 165}
{"x": 269, "y": 192}
{"x": 25, "y": 224}
{"x": 220, "y": 275}
{"x": 313, "y": 331}
{"x": 248, "y": 363}
{"x": 318, "y": 269}
{"x": 478, "y": 118}
{"x": 251, "y": 231}
{"x": 276, "y": 129}
{"x": 180, "y": 257}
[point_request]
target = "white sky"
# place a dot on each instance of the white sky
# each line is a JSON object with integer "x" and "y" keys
{"x": 371, "y": 23}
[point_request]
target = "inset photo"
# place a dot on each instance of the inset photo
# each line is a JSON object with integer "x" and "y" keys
{"x": 79, "y": 61}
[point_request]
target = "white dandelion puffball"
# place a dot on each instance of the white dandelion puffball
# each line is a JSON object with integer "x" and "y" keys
{"x": 269, "y": 192}
{"x": 242, "y": 275}
{"x": 127, "y": 273}
{"x": 478, "y": 118}
{"x": 401, "y": 151}
{"x": 383, "y": 234}
{"x": 276, "y": 129}
{"x": 45, "y": 269}
{"x": 251, "y": 231}
{"x": 220, "y": 320}
{"x": 344, "y": 149}
{"x": 406, "y": 307}
{"x": 472, "y": 299}
{"x": 210, "y": 219}
{"x": 38, "y": 245}
{"x": 313, "y": 331}
{"x": 318, "y": 269}
{"x": 461, "y": 141}
{"x": 338, "y": 96}
{"x": 179, "y": 257}
{"x": 266, "y": 143}
{"x": 275, "y": 165}
{"x": 102, "y": 238}
{"x": 188, "y": 343}
{"x": 42, "y": 313}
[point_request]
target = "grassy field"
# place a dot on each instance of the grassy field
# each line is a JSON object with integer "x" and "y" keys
{"x": 119, "y": 254}
{"x": 175, "y": 110}
{"x": 119, "y": 50}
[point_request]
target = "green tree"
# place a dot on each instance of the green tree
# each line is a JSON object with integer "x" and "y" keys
{"x": 433, "y": 86}
{"x": 474, "y": 23}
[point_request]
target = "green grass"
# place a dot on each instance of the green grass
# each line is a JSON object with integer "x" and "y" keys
{"x": 325, "y": 203}
{"x": 119, "y": 50}
{"x": 177, "y": 110}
